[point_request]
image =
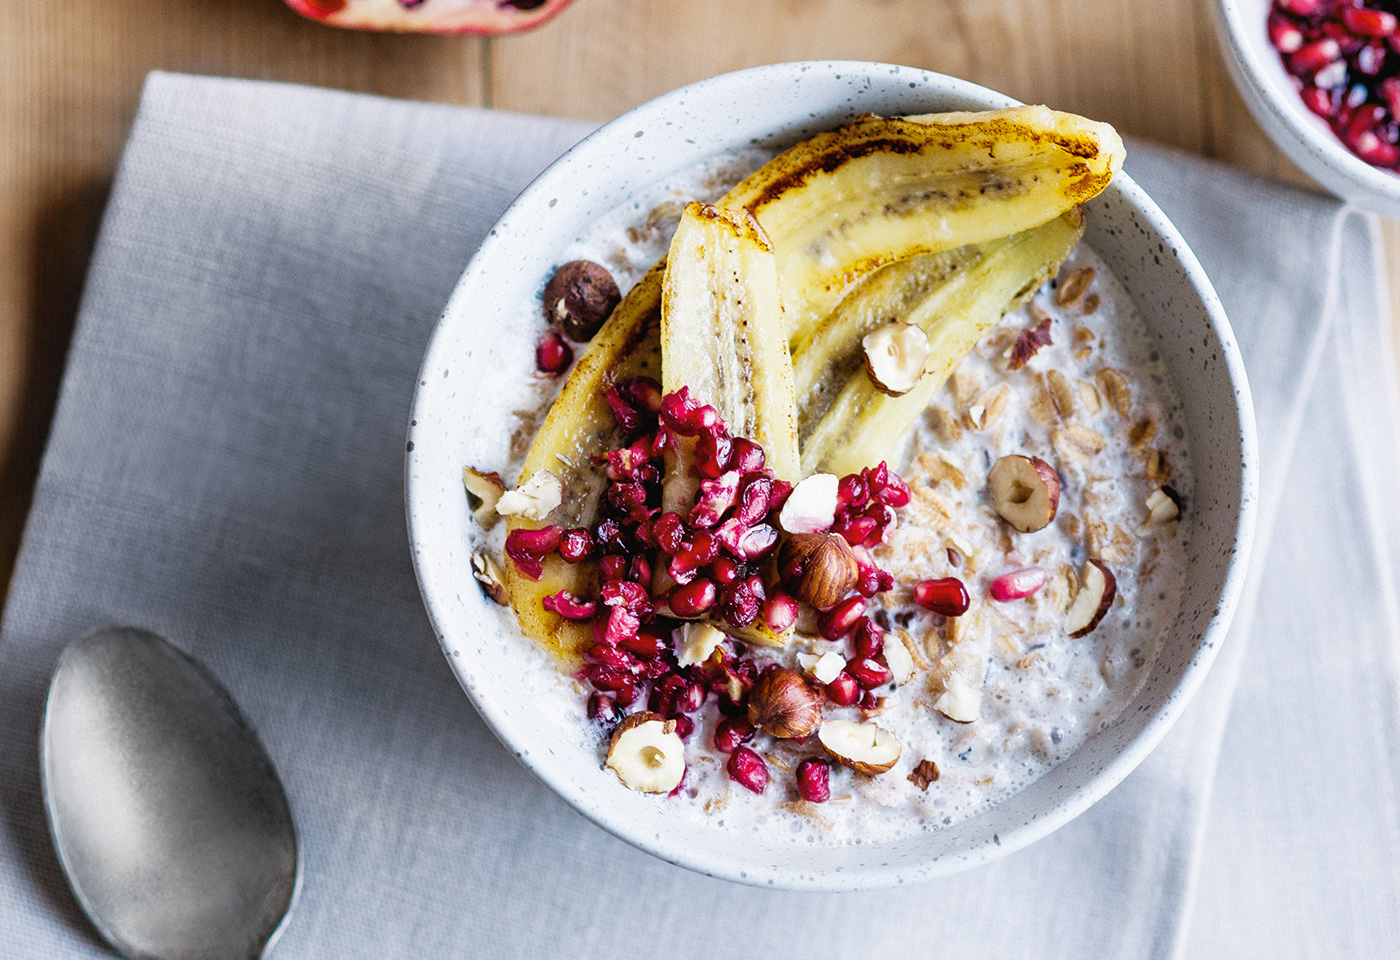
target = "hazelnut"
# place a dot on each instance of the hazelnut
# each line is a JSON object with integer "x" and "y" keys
{"x": 1025, "y": 491}
{"x": 489, "y": 575}
{"x": 819, "y": 568}
{"x": 784, "y": 704}
{"x": 533, "y": 499}
{"x": 895, "y": 355}
{"x": 1092, "y": 602}
{"x": 647, "y": 754}
{"x": 483, "y": 490}
{"x": 863, "y": 747}
{"x": 579, "y": 297}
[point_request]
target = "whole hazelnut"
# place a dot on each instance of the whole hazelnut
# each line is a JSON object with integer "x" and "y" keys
{"x": 579, "y": 297}
{"x": 819, "y": 568}
{"x": 784, "y": 704}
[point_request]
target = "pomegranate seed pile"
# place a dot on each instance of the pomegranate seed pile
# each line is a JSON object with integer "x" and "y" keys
{"x": 1344, "y": 57}
{"x": 718, "y": 560}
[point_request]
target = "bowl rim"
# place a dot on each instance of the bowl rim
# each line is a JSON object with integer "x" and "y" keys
{"x": 1255, "y": 62}
{"x": 1071, "y": 802}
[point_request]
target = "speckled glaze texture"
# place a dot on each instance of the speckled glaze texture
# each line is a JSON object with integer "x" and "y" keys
{"x": 1241, "y": 26}
{"x": 778, "y": 105}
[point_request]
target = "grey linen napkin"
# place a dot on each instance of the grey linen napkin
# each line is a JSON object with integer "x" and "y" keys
{"x": 225, "y": 468}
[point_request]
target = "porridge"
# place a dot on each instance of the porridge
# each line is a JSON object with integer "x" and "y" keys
{"x": 849, "y": 648}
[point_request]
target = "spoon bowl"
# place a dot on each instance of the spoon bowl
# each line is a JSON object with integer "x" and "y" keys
{"x": 168, "y": 817}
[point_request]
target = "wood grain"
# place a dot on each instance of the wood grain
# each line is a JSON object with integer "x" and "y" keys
{"x": 71, "y": 73}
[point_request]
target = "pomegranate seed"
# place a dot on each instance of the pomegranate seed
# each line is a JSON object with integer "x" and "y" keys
{"x": 1370, "y": 59}
{"x": 1363, "y": 121}
{"x": 568, "y": 606}
{"x": 1368, "y": 22}
{"x": 639, "y": 571}
{"x": 628, "y": 417}
{"x": 780, "y": 612}
{"x": 748, "y": 769}
{"x": 743, "y": 601}
{"x": 895, "y": 492}
{"x": 947, "y": 596}
{"x": 1312, "y": 57}
{"x": 1324, "y": 103}
{"x": 716, "y": 496}
{"x": 843, "y": 691}
{"x": 731, "y": 733}
{"x": 1332, "y": 75}
{"x": 1390, "y": 92}
{"x": 1018, "y": 584}
{"x": 869, "y": 673}
{"x": 552, "y": 354}
{"x": 613, "y": 567}
{"x": 644, "y": 392}
{"x": 712, "y": 455}
{"x": 746, "y": 544}
{"x": 669, "y": 532}
{"x": 666, "y": 696}
{"x": 1376, "y": 151}
{"x": 814, "y": 780}
{"x": 621, "y": 624}
{"x": 684, "y": 726}
{"x": 851, "y": 491}
{"x": 781, "y": 491}
{"x": 748, "y": 456}
{"x": 754, "y": 499}
{"x": 868, "y": 703}
{"x": 1303, "y": 8}
{"x": 692, "y": 698}
{"x": 603, "y": 707}
{"x": 609, "y": 678}
{"x": 867, "y": 639}
{"x": 649, "y": 643}
{"x": 625, "y": 593}
{"x": 1284, "y": 33}
{"x": 692, "y": 599}
{"x": 528, "y": 547}
{"x": 610, "y": 656}
{"x": 652, "y": 669}
{"x": 575, "y": 544}
{"x": 857, "y": 530}
{"x": 725, "y": 571}
{"x": 838, "y": 621}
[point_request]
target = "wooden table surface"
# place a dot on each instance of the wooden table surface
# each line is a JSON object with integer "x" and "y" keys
{"x": 71, "y": 72}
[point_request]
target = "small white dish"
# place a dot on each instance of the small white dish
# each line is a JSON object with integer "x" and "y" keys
{"x": 1267, "y": 89}
{"x": 461, "y": 415}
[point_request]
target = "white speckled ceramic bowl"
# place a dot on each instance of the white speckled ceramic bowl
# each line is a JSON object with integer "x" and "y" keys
{"x": 1257, "y": 69}
{"x": 490, "y": 326}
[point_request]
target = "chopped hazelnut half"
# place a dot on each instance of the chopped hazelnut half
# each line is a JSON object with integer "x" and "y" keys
{"x": 822, "y": 668}
{"x": 895, "y": 355}
{"x": 489, "y": 576}
{"x": 1091, "y": 604}
{"x": 1025, "y": 491}
{"x": 533, "y": 499}
{"x": 863, "y": 747}
{"x": 486, "y": 489}
{"x": 811, "y": 507}
{"x": 647, "y": 754}
{"x": 897, "y": 658}
{"x": 698, "y": 641}
{"x": 960, "y": 701}
{"x": 1161, "y": 508}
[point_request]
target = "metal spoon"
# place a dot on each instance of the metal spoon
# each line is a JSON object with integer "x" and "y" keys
{"x": 168, "y": 817}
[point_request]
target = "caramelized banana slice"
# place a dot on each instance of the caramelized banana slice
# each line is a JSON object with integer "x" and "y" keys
{"x": 881, "y": 189}
{"x": 863, "y": 426}
{"x": 579, "y": 426}
{"x": 824, "y": 362}
{"x": 722, "y": 332}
